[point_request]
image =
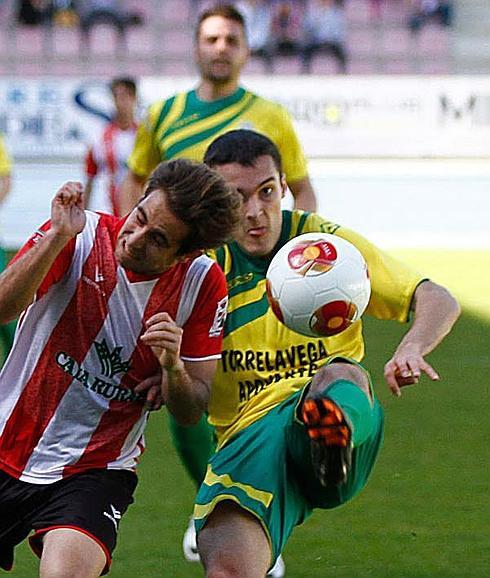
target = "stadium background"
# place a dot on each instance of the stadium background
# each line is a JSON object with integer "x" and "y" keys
{"x": 399, "y": 150}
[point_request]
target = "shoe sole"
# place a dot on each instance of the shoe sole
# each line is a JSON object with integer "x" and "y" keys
{"x": 330, "y": 440}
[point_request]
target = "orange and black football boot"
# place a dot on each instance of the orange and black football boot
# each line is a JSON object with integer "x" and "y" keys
{"x": 331, "y": 439}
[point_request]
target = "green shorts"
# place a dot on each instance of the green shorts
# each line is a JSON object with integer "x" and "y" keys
{"x": 266, "y": 469}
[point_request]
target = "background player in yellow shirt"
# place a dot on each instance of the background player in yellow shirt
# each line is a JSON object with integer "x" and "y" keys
{"x": 309, "y": 436}
{"x": 185, "y": 124}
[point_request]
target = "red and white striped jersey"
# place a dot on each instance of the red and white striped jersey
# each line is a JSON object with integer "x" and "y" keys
{"x": 107, "y": 157}
{"x": 66, "y": 391}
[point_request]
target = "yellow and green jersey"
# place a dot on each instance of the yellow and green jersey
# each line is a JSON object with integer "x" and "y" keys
{"x": 184, "y": 126}
{"x": 5, "y": 162}
{"x": 263, "y": 362}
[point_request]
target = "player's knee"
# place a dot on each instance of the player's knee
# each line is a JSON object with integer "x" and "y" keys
{"x": 220, "y": 571}
{"x": 340, "y": 370}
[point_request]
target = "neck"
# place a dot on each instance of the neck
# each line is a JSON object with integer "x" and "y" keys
{"x": 124, "y": 121}
{"x": 209, "y": 91}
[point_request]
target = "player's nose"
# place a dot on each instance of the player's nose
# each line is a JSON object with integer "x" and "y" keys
{"x": 137, "y": 239}
{"x": 253, "y": 207}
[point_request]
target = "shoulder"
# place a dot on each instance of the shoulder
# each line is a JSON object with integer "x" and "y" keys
{"x": 205, "y": 267}
{"x": 157, "y": 108}
{"x": 299, "y": 222}
{"x": 272, "y": 106}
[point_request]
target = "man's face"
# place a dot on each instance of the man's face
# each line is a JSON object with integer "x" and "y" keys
{"x": 151, "y": 237}
{"x": 262, "y": 188}
{"x": 124, "y": 99}
{"x": 221, "y": 49}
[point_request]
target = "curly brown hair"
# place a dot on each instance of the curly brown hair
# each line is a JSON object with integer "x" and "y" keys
{"x": 200, "y": 198}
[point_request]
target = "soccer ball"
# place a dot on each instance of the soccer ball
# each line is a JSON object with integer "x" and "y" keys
{"x": 318, "y": 284}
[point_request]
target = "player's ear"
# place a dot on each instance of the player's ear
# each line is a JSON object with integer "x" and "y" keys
{"x": 284, "y": 185}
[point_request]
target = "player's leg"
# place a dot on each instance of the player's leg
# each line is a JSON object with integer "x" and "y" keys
{"x": 71, "y": 554}
{"x": 233, "y": 544}
{"x": 252, "y": 470}
{"x": 195, "y": 445}
{"x": 80, "y": 522}
{"x": 342, "y": 423}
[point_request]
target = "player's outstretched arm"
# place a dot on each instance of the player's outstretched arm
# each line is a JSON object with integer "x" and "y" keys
{"x": 435, "y": 312}
{"x": 185, "y": 386}
{"x": 20, "y": 281}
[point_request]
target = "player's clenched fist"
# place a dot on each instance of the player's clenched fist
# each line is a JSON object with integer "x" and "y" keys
{"x": 67, "y": 214}
{"x": 164, "y": 337}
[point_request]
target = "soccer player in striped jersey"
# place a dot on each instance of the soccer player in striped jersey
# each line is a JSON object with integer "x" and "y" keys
{"x": 105, "y": 303}
{"x": 185, "y": 124}
{"x": 297, "y": 419}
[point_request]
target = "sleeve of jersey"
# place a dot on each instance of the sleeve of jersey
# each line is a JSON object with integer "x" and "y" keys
{"x": 90, "y": 163}
{"x": 393, "y": 283}
{"x": 293, "y": 158}
{"x": 60, "y": 265}
{"x": 145, "y": 155}
{"x": 203, "y": 332}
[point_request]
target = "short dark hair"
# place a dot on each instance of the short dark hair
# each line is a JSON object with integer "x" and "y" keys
{"x": 200, "y": 198}
{"x": 126, "y": 81}
{"x": 227, "y": 11}
{"x": 242, "y": 146}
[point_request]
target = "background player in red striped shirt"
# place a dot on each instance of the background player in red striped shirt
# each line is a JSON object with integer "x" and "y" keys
{"x": 107, "y": 156}
{"x": 105, "y": 303}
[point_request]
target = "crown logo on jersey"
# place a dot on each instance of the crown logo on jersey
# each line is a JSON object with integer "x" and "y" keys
{"x": 110, "y": 361}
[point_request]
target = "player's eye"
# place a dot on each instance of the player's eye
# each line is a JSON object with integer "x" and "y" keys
{"x": 159, "y": 240}
{"x": 267, "y": 191}
{"x": 140, "y": 217}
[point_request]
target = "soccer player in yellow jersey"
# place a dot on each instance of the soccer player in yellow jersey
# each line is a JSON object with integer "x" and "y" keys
{"x": 6, "y": 331}
{"x": 185, "y": 124}
{"x": 297, "y": 420}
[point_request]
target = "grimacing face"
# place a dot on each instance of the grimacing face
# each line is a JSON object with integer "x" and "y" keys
{"x": 262, "y": 188}
{"x": 221, "y": 49}
{"x": 151, "y": 237}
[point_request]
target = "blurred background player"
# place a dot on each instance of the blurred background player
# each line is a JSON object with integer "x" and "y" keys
{"x": 296, "y": 417}
{"x": 6, "y": 331}
{"x": 107, "y": 157}
{"x": 185, "y": 124}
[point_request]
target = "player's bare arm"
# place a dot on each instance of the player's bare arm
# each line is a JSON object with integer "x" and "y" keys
{"x": 435, "y": 312}
{"x": 304, "y": 195}
{"x": 87, "y": 193}
{"x": 185, "y": 385}
{"x": 130, "y": 192}
{"x": 20, "y": 281}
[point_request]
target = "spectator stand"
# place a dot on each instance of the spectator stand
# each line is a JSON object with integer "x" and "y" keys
{"x": 377, "y": 41}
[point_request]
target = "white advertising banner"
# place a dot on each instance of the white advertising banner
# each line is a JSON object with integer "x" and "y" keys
{"x": 335, "y": 117}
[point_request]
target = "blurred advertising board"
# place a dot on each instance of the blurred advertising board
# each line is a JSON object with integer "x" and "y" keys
{"x": 390, "y": 116}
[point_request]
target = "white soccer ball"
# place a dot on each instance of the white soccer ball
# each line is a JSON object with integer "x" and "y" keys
{"x": 318, "y": 284}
